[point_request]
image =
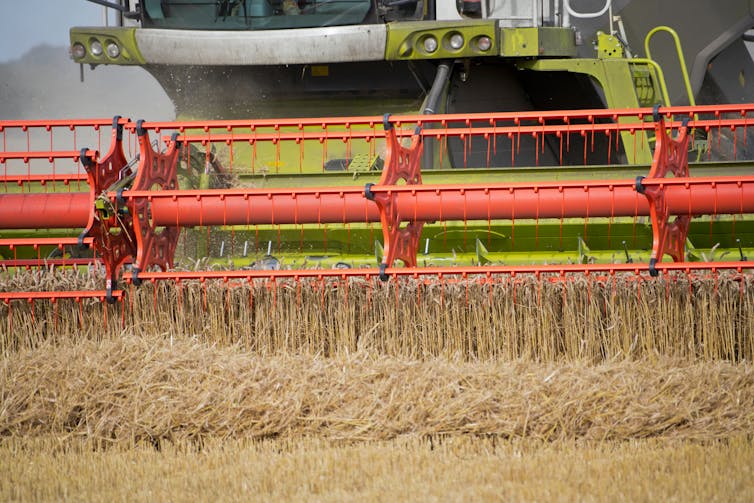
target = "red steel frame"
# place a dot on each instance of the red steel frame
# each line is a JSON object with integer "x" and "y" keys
{"x": 148, "y": 221}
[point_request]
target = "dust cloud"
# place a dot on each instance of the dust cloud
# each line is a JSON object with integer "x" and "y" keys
{"x": 45, "y": 84}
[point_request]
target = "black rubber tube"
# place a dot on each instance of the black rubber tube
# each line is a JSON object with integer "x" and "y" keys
{"x": 441, "y": 78}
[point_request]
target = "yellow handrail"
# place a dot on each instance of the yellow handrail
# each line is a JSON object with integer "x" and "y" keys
{"x": 660, "y": 76}
{"x": 679, "y": 50}
{"x": 684, "y": 73}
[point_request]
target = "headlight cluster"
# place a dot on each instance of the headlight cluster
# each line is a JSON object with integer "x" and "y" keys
{"x": 112, "y": 50}
{"x": 96, "y": 49}
{"x": 454, "y": 42}
{"x": 78, "y": 50}
{"x": 483, "y": 43}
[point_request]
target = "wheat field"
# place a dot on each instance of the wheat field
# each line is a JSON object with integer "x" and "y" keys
{"x": 458, "y": 468}
{"x": 528, "y": 389}
{"x": 586, "y": 319}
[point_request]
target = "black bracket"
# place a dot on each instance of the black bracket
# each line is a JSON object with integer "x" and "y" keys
{"x": 640, "y": 188}
{"x": 368, "y": 191}
{"x": 85, "y": 160}
{"x": 744, "y": 258}
{"x": 629, "y": 260}
{"x": 383, "y": 274}
{"x": 135, "y": 276}
{"x": 386, "y": 122}
{"x": 118, "y": 128}
{"x": 81, "y": 244}
{"x": 109, "y": 294}
{"x": 652, "y": 268}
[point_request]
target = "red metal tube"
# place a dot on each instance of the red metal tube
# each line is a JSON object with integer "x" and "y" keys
{"x": 697, "y": 196}
{"x": 301, "y": 206}
{"x": 76, "y": 295}
{"x": 553, "y": 270}
{"x": 50, "y": 210}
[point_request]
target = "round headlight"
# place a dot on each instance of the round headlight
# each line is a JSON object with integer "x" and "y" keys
{"x": 430, "y": 44}
{"x": 95, "y": 47}
{"x": 113, "y": 50}
{"x": 78, "y": 50}
{"x": 484, "y": 43}
{"x": 456, "y": 41}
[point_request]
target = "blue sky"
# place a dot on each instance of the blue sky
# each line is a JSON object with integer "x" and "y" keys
{"x": 27, "y": 23}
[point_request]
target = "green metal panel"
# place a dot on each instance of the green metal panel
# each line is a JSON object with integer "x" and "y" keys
{"x": 405, "y": 41}
{"x": 485, "y": 175}
{"x": 553, "y": 241}
{"x": 615, "y": 77}
{"x": 537, "y": 42}
{"x": 124, "y": 37}
{"x": 608, "y": 46}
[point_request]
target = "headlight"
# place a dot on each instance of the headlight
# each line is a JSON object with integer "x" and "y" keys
{"x": 430, "y": 44}
{"x": 113, "y": 50}
{"x": 456, "y": 41}
{"x": 484, "y": 43}
{"x": 78, "y": 50}
{"x": 95, "y": 47}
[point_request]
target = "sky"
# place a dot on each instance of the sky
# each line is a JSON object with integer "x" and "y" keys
{"x": 48, "y": 85}
{"x": 27, "y": 23}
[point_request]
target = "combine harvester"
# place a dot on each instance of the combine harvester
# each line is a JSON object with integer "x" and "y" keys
{"x": 609, "y": 218}
{"x": 443, "y": 195}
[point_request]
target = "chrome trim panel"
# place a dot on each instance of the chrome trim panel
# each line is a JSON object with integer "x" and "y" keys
{"x": 334, "y": 44}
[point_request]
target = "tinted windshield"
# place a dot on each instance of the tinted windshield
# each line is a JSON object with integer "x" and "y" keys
{"x": 253, "y": 14}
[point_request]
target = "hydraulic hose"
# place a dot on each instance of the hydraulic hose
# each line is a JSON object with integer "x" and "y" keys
{"x": 441, "y": 78}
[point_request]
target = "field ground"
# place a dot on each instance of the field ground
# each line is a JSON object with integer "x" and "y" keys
{"x": 404, "y": 469}
{"x": 622, "y": 392}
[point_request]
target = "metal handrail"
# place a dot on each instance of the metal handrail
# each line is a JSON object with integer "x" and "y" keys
{"x": 568, "y": 12}
{"x": 679, "y": 51}
{"x": 660, "y": 77}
